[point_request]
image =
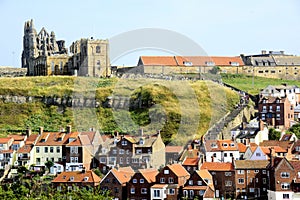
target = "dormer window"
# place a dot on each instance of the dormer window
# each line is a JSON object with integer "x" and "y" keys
{"x": 86, "y": 178}
{"x": 210, "y": 63}
{"x": 166, "y": 171}
{"x": 264, "y": 101}
{"x": 232, "y": 144}
{"x": 142, "y": 142}
{"x": 277, "y": 100}
{"x": 72, "y": 178}
{"x": 225, "y": 145}
{"x": 124, "y": 142}
{"x": 214, "y": 145}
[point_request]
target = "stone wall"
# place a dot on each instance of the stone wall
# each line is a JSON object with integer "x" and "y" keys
{"x": 68, "y": 101}
{"x": 12, "y": 72}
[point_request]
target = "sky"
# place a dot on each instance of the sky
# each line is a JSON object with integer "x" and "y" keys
{"x": 221, "y": 28}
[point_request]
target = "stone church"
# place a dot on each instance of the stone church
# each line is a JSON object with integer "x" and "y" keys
{"x": 43, "y": 55}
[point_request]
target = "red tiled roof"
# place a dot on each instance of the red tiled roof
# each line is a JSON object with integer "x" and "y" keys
{"x": 242, "y": 148}
{"x": 5, "y": 140}
{"x": 31, "y": 139}
{"x": 25, "y": 149}
{"x": 217, "y": 166}
{"x": 123, "y": 175}
{"x": 195, "y": 187}
{"x": 194, "y": 60}
{"x": 191, "y": 161}
{"x": 65, "y": 177}
{"x": 17, "y": 137}
{"x": 159, "y": 186}
{"x": 174, "y": 149}
{"x": 149, "y": 174}
{"x": 51, "y": 139}
{"x": 178, "y": 170}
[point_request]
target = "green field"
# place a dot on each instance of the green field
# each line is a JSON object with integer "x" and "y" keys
{"x": 253, "y": 85}
{"x": 181, "y": 110}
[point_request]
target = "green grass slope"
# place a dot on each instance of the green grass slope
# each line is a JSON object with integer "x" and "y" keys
{"x": 181, "y": 110}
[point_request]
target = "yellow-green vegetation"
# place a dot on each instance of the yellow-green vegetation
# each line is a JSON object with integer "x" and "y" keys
{"x": 253, "y": 85}
{"x": 182, "y": 110}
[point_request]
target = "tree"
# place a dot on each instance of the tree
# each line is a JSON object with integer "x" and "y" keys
{"x": 295, "y": 129}
{"x": 49, "y": 164}
{"x": 273, "y": 134}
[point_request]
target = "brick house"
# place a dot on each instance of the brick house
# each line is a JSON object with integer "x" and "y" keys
{"x": 276, "y": 111}
{"x": 143, "y": 151}
{"x": 199, "y": 185}
{"x": 174, "y": 176}
{"x": 138, "y": 187}
{"x": 67, "y": 181}
{"x": 251, "y": 178}
{"x": 223, "y": 178}
{"x": 115, "y": 181}
{"x": 282, "y": 175}
{"x": 191, "y": 164}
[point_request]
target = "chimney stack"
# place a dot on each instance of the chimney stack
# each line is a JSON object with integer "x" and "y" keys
{"x": 142, "y": 132}
{"x": 28, "y": 131}
{"x": 263, "y": 52}
{"x": 69, "y": 128}
{"x": 41, "y": 130}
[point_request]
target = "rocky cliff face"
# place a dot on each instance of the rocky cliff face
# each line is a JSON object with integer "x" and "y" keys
{"x": 67, "y": 101}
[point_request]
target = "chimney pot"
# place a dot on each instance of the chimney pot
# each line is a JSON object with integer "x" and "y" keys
{"x": 69, "y": 129}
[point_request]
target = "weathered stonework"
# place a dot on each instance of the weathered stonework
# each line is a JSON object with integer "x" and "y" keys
{"x": 43, "y": 55}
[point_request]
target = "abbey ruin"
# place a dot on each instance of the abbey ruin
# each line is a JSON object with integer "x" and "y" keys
{"x": 44, "y": 55}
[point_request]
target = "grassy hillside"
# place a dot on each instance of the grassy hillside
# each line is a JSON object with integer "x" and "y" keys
{"x": 181, "y": 110}
{"x": 254, "y": 85}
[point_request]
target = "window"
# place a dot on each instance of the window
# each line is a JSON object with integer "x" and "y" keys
{"x": 190, "y": 182}
{"x": 102, "y": 160}
{"x": 57, "y": 149}
{"x": 162, "y": 180}
{"x": 98, "y": 62}
{"x": 121, "y": 151}
{"x": 263, "y": 116}
{"x": 225, "y": 154}
{"x": 156, "y": 193}
{"x": 98, "y": 49}
{"x": 215, "y": 155}
{"x": 199, "y": 182}
{"x": 124, "y": 142}
{"x": 264, "y": 171}
{"x": 258, "y": 154}
{"x": 286, "y": 196}
{"x": 134, "y": 180}
{"x": 225, "y": 145}
{"x": 264, "y": 180}
{"x": 51, "y": 149}
{"x": 277, "y": 108}
{"x": 270, "y": 108}
{"x": 121, "y": 160}
{"x": 285, "y": 186}
{"x": 264, "y": 108}
{"x": 241, "y": 181}
{"x": 228, "y": 183}
{"x": 231, "y": 154}
{"x": 138, "y": 151}
{"x": 278, "y": 116}
{"x": 166, "y": 171}
{"x": 171, "y": 180}
{"x": 227, "y": 173}
{"x": 141, "y": 180}
{"x": 114, "y": 151}
{"x": 132, "y": 190}
{"x": 256, "y": 171}
{"x": 285, "y": 174}
{"x": 201, "y": 192}
{"x": 144, "y": 190}
{"x": 74, "y": 149}
{"x": 37, "y": 149}
{"x": 171, "y": 191}
{"x": 240, "y": 171}
{"x": 251, "y": 189}
{"x": 46, "y": 149}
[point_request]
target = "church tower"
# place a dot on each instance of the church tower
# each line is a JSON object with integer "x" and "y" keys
{"x": 29, "y": 44}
